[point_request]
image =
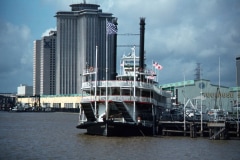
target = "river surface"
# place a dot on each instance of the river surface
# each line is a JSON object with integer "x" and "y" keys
{"x": 48, "y": 136}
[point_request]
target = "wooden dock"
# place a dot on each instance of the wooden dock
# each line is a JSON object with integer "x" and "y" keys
{"x": 212, "y": 129}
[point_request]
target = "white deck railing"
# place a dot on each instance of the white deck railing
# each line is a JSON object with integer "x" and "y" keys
{"x": 117, "y": 83}
{"x": 123, "y": 98}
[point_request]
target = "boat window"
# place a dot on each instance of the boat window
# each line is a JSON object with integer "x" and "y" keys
{"x": 115, "y": 91}
{"x": 145, "y": 94}
{"x": 126, "y": 92}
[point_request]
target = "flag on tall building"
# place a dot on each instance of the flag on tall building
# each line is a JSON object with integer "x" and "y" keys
{"x": 111, "y": 28}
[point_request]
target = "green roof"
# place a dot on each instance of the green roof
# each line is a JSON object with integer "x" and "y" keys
{"x": 178, "y": 84}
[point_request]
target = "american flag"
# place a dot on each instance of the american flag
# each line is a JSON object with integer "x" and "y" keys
{"x": 155, "y": 64}
{"x": 152, "y": 72}
{"x": 149, "y": 71}
{"x": 159, "y": 67}
{"x": 150, "y": 77}
{"x": 111, "y": 28}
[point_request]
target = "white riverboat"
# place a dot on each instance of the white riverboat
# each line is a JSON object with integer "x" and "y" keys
{"x": 131, "y": 105}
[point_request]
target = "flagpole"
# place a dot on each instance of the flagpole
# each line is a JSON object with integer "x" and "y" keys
{"x": 152, "y": 65}
{"x": 156, "y": 71}
{"x": 184, "y": 108}
{"x": 201, "y": 102}
{"x": 96, "y": 80}
{"x": 152, "y": 69}
{"x": 106, "y": 101}
{"x": 120, "y": 67}
{"x": 134, "y": 87}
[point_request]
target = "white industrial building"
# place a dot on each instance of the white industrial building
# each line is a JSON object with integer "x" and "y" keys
{"x": 202, "y": 93}
{"x": 24, "y": 90}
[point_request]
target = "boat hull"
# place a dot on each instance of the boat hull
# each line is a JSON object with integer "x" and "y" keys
{"x": 117, "y": 129}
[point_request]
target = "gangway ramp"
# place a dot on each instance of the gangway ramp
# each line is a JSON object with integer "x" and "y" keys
{"x": 123, "y": 108}
{"x": 88, "y": 111}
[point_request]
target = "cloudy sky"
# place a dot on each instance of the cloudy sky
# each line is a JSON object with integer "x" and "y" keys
{"x": 179, "y": 34}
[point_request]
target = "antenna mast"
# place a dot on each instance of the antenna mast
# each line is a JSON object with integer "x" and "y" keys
{"x": 198, "y": 72}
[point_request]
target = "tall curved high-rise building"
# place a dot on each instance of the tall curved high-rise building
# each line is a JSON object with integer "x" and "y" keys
{"x": 79, "y": 31}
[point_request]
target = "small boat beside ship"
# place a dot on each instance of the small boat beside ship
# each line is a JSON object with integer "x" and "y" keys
{"x": 131, "y": 105}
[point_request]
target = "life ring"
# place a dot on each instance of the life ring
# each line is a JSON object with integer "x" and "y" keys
{"x": 91, "y": 69}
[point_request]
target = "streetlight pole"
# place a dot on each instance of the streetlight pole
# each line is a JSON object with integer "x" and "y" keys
{"x": 184, "y": 109}
{"x": 237, "y": 114}
{"x": 201, "y": 105}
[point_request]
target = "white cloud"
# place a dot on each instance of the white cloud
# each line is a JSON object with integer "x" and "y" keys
{"x": 178, "y": 33}
{"x": 46, "y": 32}
{"x": 60, "y": 4}
{"x": 208, "y": 52}
{"x": 22, "y": 31}
{"x": 16, "y": 57}
{"x": 181, "y": 39}
{"x": 207, "y": 8}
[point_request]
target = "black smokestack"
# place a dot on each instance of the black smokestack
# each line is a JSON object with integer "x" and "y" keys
{"x": 141, "y": 49}
{"x": 115, "y": 50}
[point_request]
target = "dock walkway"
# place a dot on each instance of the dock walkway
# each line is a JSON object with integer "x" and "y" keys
{"x": 212, "y": 129}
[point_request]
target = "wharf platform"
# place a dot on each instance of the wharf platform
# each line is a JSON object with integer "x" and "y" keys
{"x": 212, "y": 129}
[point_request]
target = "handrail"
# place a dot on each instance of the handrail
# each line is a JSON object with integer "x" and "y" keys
{"x": 123, "y": 98}
{"x": 118, "y": 83}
